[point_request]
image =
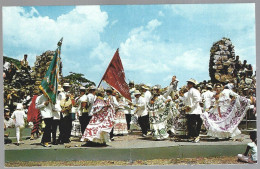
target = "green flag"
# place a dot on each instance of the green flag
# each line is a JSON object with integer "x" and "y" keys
{"x": 49, "y": 84}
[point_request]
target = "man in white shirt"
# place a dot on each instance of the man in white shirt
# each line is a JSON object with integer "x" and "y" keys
{"x": 142, "y": 113}
{"x": 207, "y": 97}
{"x": 65, "y": 119}
{"x": 172, "y": 89}
{"x": 81, "y": 102}
{"x": 91, "y": 97}
{"x": 193, "y": 110}
{"x": 45, "y": 106}
{"x": 131, "y": 111}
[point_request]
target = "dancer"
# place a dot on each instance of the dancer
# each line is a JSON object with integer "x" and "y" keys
{"x": 120, "y": 126}
{"x": 101, "y": 123}
{"x": 227, "y": 111}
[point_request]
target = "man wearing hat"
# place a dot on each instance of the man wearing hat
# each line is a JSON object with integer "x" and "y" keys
{"x": 141, "y": 112}
{"x": 206, "y": 97}
{"x": 91, "y": 97}
{"x": 82, "y": 113}
{"x": 131, "y": 111}
{"x": 65, "y": 117}
{"x": 45, "y": 106}
{"x": 193, "y": 111}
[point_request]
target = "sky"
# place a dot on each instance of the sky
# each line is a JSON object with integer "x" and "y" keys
{"x": 155, "y": 41}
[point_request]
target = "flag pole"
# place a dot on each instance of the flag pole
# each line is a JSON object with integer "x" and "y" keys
{"x": 107, "y": 69}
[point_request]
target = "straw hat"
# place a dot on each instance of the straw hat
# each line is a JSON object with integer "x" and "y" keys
{"x": 193, "y": 81}
{"x": 66, "y": 85}
{"x": 145, "y": 87}
{"x": 82, "y": 88}
{"x": 137, "y": 92}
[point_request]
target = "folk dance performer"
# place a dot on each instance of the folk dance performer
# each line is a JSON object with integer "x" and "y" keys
{"x": 193, "y": 111}
{"x": 82, "y": 113}
{"x": 129, "y": 115}
{"x": 120, "y": 126}
{"x": 141, "y": 112}
{"x": 227, "y": 111}
{"x": 91, "y": 97}
{"x": 207, "y": 97}
{"x": 111, "y": 100}
{"x": 157, "y": 115}
{"x": 65, "y": 116}
{"x": 102, "y": 121}
{"x": 45, "y": 106}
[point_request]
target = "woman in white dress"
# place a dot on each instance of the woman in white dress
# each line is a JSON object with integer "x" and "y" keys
{"x": 227, "y": 111}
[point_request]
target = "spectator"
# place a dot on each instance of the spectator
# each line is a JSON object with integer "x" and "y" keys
{"x": 252, "y": 148}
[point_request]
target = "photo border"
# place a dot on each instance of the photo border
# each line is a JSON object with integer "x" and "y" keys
{"x": 130, "y": 2}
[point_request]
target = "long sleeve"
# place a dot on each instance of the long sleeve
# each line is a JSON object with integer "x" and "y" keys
{"x": 39, "y": 103}
{"x": 196, "y": 98}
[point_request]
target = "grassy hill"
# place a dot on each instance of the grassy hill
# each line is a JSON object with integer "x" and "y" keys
{"x": 15, "y": 61}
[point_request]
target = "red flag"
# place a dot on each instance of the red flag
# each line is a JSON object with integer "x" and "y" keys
{"x": 115, "y": 76}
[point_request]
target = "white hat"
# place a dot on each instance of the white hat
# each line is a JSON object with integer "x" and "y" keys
{"x": 92, "y": 87}
{"x": 82, "y": 88}
{"x": 66, "y": 85}
{"x": 19, "y": 106}
{"x": 209, "y": 86}
{"x": 193, "y": 81}
{"x": 145, "y": 87}
{"x": 137, "y": 92}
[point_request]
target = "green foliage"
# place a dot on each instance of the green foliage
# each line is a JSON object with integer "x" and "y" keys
{"x": 15, "y": 61}
{"x": 78, "y": 78}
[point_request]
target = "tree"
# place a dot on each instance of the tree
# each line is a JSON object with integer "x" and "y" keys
{"x": 79, "y": 79}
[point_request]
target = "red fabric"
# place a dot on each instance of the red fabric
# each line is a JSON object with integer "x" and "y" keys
{"x": 115, "y": 76}
{"x": 32, "y": 114}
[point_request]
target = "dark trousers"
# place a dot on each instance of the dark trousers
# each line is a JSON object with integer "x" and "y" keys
{"x": 194, "y": 123}
{"x": 65, "y": 129}
{"x": 55, "y": 124}
{"x": 47, "y": 130}
{"x": 128, "y": 120}
{"x": 112, "y": 133}
{"x": 84, "y": 121}
{"x": 144, "y": 123}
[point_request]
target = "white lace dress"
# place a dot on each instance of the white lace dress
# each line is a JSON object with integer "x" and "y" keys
{"x": 223, "y": 119}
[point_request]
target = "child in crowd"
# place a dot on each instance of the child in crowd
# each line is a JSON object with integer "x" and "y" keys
{"x": 252, "y": 147}
{"x": 19, "y": 118}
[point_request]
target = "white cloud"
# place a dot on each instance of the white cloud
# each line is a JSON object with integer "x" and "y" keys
{"x": 144, "y": 51}
{"x": 80, "y": 28}
{"x": 31, "y": 33}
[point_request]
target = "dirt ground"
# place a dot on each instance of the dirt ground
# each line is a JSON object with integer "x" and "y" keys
{"x": 177, "y": 161}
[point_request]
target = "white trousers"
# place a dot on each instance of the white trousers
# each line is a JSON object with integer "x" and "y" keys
{"x": 19, "y": 130}
{"x": 243, "y": 158}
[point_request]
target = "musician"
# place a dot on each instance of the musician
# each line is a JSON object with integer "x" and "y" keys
{"x": 65, "y": 117}
{"x": 81, "y": 103}
{"x": 193, "y": 111}
{"x": 45, "y": 107}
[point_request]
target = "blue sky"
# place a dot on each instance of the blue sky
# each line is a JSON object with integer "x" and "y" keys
{"x": 154, "y": 41}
